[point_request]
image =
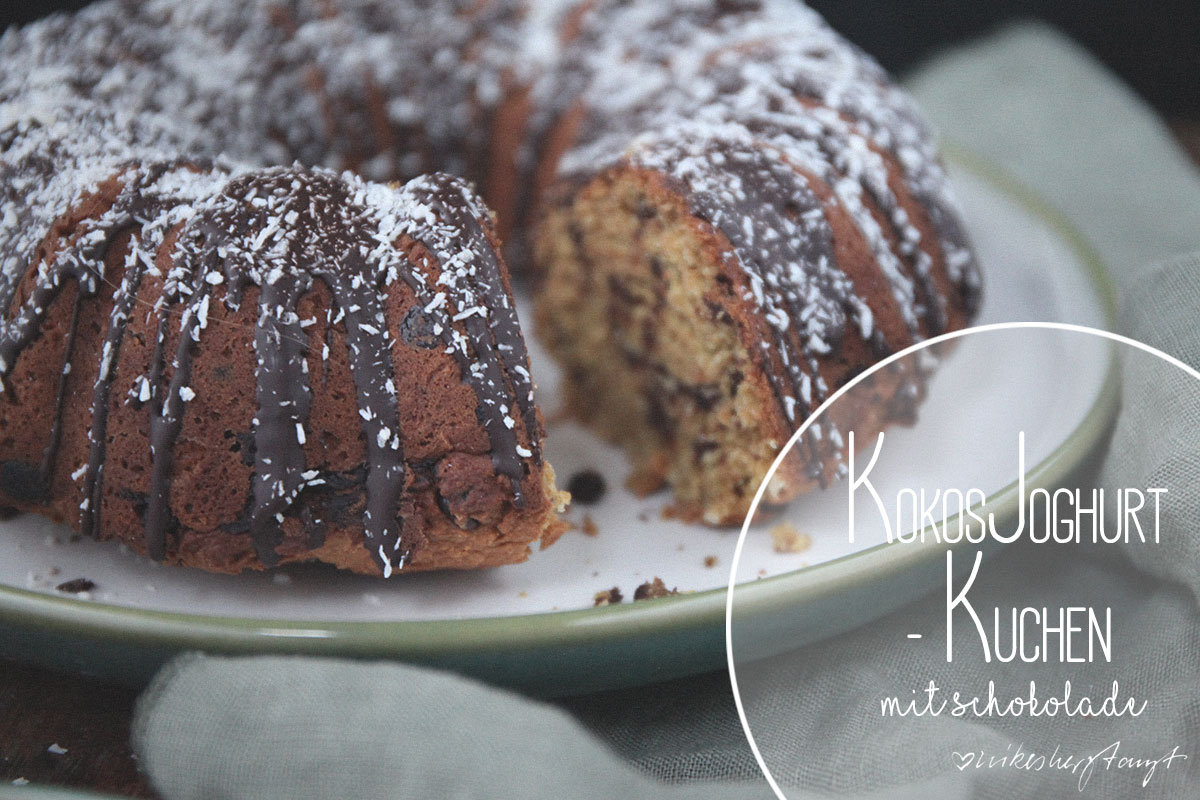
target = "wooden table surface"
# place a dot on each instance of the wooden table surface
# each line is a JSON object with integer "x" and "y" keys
{"x": 43, "y": 712}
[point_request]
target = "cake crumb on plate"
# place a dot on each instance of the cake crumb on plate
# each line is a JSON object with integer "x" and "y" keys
{"x": 786, "y": 539}
{"x": 652, "y": 590}
{"x": 608, "y": 597}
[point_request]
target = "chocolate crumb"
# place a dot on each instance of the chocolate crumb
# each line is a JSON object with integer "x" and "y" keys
{"x": 587, "y": 487}
{"x": 416, "y": 329}
{"x": 589, "y": 526}
{"x": 76, "y": 586}
{"x": 710, "y": 561}
{"x": 608, "y": 597}
{"x": 652, "y": 590}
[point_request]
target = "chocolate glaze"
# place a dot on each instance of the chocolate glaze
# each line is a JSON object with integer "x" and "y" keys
{"x": 495, "y": 332}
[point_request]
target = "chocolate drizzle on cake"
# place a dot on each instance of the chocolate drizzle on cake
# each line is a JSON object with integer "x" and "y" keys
{"x": 280, "y": 231}
{"x": 494, "y": 352}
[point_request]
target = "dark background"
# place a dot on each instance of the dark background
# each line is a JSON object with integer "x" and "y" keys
{"x": 1154, "y": 45}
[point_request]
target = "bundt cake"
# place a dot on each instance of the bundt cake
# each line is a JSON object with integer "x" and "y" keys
{"x": 221, "y": 346}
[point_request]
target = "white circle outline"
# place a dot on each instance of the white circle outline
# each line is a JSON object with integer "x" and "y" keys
{"x": 945, "y": 337}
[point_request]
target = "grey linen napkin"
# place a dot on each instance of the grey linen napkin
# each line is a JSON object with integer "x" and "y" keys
{"x": 1033, "y": 103}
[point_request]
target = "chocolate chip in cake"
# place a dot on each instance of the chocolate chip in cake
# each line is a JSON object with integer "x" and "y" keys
{"x": 587, "y": 487}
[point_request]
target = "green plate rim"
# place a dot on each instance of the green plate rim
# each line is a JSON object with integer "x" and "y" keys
{"x": 418, "y": 639}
